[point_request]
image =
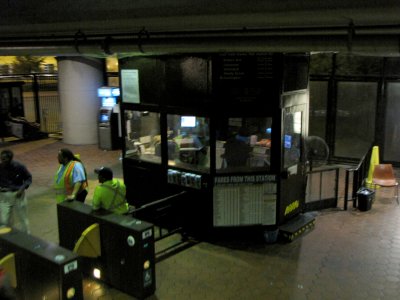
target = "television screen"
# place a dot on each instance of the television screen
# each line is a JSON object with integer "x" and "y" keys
{"x": 188, "y": 121}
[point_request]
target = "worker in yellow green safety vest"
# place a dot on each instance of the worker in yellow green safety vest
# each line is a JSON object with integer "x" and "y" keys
{"x": 110, "y": 193}
{"x": 70, "y": 181}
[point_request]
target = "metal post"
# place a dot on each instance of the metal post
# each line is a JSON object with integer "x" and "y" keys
{"x": 36, "y": 98}
{"x": 346, "y": 189}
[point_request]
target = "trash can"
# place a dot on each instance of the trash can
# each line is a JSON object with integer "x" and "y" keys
{"x": 365, "y": 197}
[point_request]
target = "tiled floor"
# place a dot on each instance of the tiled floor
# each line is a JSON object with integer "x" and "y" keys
{"x": 348, "y": 255}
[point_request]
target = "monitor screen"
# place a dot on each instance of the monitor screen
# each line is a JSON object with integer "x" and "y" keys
{"x": 108, "y": 91}
{"x": 104, "y": 118}
{"x": 288, "y": 141}
{"x": 108, "y": 101}
{"x": 104, "y": 92}
{"x": 188, "y": 121}
{"x": 115, "y": 92}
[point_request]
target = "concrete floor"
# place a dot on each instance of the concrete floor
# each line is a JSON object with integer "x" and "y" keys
{"x": 348, "y": 255}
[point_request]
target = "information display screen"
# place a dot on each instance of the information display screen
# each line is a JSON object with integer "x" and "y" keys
{"x": 104, "y": 118}
{"x": 108, "y": 101}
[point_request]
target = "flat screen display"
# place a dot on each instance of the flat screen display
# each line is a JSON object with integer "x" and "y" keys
{"x": 104, "y": 118}
{"x": 104, "y": 92}
{"x": 108, "y": 101}
{"x": 188, "y": 121}
{"x": 108, "y": 92}
{"x": 115, "y": 92}
{"x": 288, "y": 141}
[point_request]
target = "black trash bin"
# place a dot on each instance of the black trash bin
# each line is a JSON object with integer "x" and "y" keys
{"x": 365, "y": 197}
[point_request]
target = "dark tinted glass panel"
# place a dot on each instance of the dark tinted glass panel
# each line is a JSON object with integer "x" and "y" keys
{"x": 296, "y": 70}
{"x": 359, "y": 65}
{"x": 392, "y": 67}
{"x": 392, "y": 126}
{"x": 355, "y": 118}
{"x": 318, "y": 108}
{"x": 321, "y": 64}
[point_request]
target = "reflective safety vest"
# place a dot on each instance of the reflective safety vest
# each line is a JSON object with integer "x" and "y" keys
{"x": 64, "y": 185}
{"x": 110, "y": 195}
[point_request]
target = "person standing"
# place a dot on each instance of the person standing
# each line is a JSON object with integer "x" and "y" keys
{"x": 70, "y": 181}
{"x": 14, "y": 180}
{"x": 110, "y": 193}
{"x": 238, "y": 149}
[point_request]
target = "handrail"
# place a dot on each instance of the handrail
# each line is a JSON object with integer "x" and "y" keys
{"x": 153, "y": 204}
{"x": 359, "y": 174}
{"x": 157, "y": 202}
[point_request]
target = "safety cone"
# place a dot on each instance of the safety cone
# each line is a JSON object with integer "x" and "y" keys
{"x": 373, "y": 162}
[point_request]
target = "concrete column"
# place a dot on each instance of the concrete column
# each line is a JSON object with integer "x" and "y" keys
{"x": 78, "y": 80}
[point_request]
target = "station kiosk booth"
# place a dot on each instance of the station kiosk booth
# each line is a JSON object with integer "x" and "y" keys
{"x": 228, "y": 129}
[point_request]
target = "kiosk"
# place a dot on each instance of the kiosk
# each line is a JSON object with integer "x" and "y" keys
{"x": 108, "y": 121}
{"x": 226, "y": 128}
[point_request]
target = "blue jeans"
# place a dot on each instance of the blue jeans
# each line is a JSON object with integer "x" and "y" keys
{"x": 11, "y": 204}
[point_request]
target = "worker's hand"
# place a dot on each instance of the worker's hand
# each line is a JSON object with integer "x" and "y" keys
{"x": 70, "y": 197}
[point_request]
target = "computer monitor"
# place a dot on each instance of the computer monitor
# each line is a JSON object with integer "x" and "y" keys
{"x": 188, "y": 121}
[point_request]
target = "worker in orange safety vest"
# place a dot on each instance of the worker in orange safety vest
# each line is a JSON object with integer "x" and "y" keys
{"x": 70, "y": 181}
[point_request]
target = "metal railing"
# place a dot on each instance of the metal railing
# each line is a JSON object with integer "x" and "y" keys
{"x": 359, "y": 173}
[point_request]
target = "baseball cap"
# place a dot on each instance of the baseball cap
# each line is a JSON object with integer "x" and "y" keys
{"x": 106, "y": 172}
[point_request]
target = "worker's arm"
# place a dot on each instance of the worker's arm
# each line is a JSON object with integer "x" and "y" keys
{"x": 78, "y": 177}
{"x": 75, "y": 191}
{"x": 96, "y": 201}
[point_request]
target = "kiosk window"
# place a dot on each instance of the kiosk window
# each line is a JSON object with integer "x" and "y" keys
{"x": 243, "y": 144}
{"x": 143, "y": 139}
{"x": 188, "y": 142}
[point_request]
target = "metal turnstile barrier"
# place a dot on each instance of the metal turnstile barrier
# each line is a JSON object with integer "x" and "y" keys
{"x": 39, "y": 269}
{"x": 116, "y": 249}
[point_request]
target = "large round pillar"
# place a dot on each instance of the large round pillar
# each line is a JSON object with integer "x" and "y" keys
{"x": 78, "y": 79}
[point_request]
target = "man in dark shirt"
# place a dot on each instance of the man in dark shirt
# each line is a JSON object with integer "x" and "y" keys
{"x": 238, "y": 149}
{"x": 14, "y": 180}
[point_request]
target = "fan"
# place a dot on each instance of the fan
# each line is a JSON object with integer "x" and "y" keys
{"x": 316, "y": 151}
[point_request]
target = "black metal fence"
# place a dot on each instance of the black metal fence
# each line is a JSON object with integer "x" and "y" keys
{"x": 355, "y": 179}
